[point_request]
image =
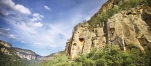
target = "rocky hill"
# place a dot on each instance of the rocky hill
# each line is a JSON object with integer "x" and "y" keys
{"x": 30, "y": 55}
{"x": 8, "y": 55}
{"x": 125, "y": 23}
{"x": 27, "y": 54}
{"x": 7, "y": 48}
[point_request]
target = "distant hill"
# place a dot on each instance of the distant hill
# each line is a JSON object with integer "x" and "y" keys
{"x": 21, "y": 57}
{"x": 8, "y": 55}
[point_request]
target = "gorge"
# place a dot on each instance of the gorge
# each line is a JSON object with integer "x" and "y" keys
{"x": 119, "y": 34}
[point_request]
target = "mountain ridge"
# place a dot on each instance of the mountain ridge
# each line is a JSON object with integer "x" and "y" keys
{"x": 24, "y": 53}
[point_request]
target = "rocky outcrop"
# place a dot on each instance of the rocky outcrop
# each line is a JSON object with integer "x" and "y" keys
{"x": 6, "y": 44}
{"x": 130, "y": 27}
{"x": 83, "y": 40}
{"x": 5, "y": 47}
{"x": 127, "y": 28}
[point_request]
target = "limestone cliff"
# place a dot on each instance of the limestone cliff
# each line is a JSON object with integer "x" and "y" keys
{"x": 6, "y": 48}
{"x": 6, "y": 44}
{"x": 126, "y": 28}
{"x": 27, "y": 54}
{"x": 30, "y": 55}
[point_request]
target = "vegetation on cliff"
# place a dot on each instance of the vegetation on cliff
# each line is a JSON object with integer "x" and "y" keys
{"x": 105, "y": 57}
{"x": 8, "y": 57}
{"x": 114, "y": 57}
{"x": 59, "y": 60}
{"x": 33, "y": 62}
{"x": 103, "y": 17}
{"x": 10, "y": 60}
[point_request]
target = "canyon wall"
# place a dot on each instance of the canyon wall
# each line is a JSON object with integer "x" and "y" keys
{"x": 126, "y": 28}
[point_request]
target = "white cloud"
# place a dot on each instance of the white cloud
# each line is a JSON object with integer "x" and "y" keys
{"x": 35, "y": 21}
{"x": 38, "y": 24}
{"x": 22, "y": 41}
{"x": 32, "y": 33}
{"x": 9, "y": 4}
{"x": 4, "y": 13}
{"x": 47, "y": 8}
{"x": 4, "y": 31}
{"x": 37, "y": 43}
{"x": 7, "y": 29}
{"x": 11, "y": 36}
{"x": 22, "y": 9}
{"x": 53, "y": 46}
{"x": 37, "y": 17}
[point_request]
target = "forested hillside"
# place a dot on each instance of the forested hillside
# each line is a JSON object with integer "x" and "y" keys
{"x": 10, "y": 60}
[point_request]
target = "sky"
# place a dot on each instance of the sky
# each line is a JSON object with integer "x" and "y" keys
{"x": 43, "y": 26}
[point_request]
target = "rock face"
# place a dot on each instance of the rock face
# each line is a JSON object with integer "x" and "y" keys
{"x": 130, "y": 27}
{"x": 5, "y": 47}
{"x": 30, "y": 55}
{"x": 27, "y": 54}
{"x": 82, "y": 40}
{"x": 127, "y": 28}
{"x": 6, "y": 44}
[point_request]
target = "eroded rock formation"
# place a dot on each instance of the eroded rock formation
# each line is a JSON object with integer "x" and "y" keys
{"x": 5, "y": 47}
{"x": 125, "y": 28}
{"x": 6, "y": 44}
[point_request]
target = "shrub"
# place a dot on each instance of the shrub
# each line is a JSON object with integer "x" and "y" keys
{"x": 59, "y": 60}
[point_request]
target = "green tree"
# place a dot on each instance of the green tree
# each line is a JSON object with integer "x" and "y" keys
{"x": 59, "y": 60}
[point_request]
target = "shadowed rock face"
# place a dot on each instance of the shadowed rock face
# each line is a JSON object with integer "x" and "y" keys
{"x": 126, "y": 28}
{"x": 129, "y": 29}
{"x": 83, "y": 40}
{"x": 5, "y": 47}
{"x": 6, "y": 44}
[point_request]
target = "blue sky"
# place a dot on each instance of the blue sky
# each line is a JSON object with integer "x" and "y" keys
{"x": 43, "y": 26}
